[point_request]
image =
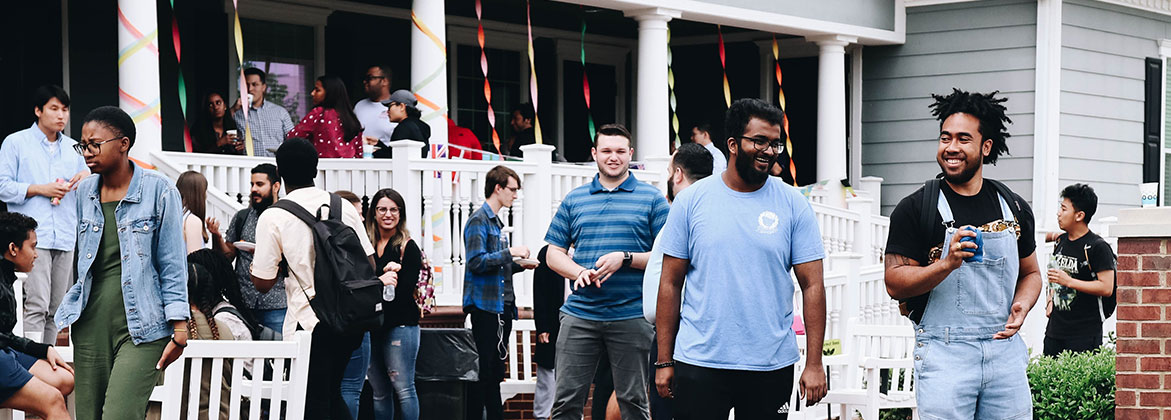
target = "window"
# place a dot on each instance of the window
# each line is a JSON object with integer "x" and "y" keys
{"x": 504, "y": 74}
{"x": 284, "y": 51}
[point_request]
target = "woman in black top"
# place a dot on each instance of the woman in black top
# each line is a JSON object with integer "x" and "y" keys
{"x": 209, "y": 131}
{"x": 33, "y": 377}
{"x": 394, "y": 347}
{"x": 402, "y": 109}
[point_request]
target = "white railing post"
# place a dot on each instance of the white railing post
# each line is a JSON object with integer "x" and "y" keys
{"x": 872, "y": 185}
{"x": 849, "y": 263}
{"x": 864, "y": 230}
{"x": 657, "y": 166}
{"x": 408, "y": 182}
{"x": 538, "y": 197}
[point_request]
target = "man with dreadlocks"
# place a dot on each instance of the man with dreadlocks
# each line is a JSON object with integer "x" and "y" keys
{"x": 960, "y": 260}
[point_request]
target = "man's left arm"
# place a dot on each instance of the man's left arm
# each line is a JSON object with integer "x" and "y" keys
{"x": 1028, "y": 288}
{"x": 809, "y": 277}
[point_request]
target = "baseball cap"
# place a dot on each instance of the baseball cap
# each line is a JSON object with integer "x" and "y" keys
{"x": 401, "y": 96}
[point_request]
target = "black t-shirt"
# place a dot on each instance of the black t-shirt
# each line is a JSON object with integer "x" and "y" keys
{"x": 403, "y": 310}
{"x": 906, "y": 237}
{"x": 1076, "y": 314}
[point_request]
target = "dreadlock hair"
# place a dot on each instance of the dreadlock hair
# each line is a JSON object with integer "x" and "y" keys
{"x": 210, "y": 281}
{"x": 985, "y": 107}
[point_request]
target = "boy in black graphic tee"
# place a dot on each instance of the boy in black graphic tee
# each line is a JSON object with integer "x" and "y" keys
{"x": 1081, "y": 276}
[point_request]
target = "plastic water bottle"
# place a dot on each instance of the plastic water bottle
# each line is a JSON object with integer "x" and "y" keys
{"x": 388, "y": 293}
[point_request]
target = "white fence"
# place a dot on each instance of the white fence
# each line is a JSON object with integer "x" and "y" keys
{"x": 441, "y": 195}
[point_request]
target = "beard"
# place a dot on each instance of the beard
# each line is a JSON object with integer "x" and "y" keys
{"x": 965, "y": 174}
{"x": 670, "y": 191}
{"x": 264, "y": 202}
{"x": 745, "y": 165}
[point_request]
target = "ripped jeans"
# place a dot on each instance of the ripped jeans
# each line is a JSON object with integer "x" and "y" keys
{"x": 392, "y": 371}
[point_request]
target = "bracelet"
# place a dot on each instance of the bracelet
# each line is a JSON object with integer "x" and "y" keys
{"x": 179, "y": 329}
{"x": 177, "y": 344}
{"x": 664, "y": 364}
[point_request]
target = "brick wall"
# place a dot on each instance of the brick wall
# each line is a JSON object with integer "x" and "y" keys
{"x": 1144, "y": 329}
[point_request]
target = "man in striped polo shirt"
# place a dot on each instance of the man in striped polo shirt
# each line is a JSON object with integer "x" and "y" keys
{"x": 611, "y": 223}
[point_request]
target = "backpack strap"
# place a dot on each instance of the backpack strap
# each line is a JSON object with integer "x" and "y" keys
{"x": 928, "y": 207}
{"x": 1006, "y": 195}
{"x": 296, "y": 210}
{"x": 335, "y": 207}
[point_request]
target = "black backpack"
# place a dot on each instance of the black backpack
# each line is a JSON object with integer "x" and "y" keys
{"x": 349, "y": 294}
{"x": 913, "y": 307}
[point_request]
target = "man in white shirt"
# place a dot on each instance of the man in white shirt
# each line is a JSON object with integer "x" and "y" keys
{"x": 282, "y": 236}
{"x": 702, "y": 134}
{"x": 370, "y": 111}
{"x": 690, "y": 163}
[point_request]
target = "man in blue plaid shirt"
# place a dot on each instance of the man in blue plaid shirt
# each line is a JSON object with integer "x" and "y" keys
{"x": 269, "y": 122}
{"x": 488, "y": 294}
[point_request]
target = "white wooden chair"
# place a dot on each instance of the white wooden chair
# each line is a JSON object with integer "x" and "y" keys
{"x": 521, "y": 377}
{"x": 858, "y": 383}
{"x": 279, "y": 391}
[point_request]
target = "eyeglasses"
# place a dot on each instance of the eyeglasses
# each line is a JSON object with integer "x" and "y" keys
{"x": 762, "y": 143}
{"x": 94, "y": 148}
{"x": 369, "y": 78}
{"x": 513, "y": 189}
{"x": 384, "y": 210}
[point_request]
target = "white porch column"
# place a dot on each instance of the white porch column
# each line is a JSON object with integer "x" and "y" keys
{"x": 429, "y": 65}
{"x": 652, "y": 132}
{"x": 138, "y": 74}
{"x": 831, "y": 113}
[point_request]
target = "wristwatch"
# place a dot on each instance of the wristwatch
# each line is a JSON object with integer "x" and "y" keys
{"x": 627, "y": 258}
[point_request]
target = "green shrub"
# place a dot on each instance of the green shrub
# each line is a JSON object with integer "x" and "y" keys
{"x": 1073, "y": 385}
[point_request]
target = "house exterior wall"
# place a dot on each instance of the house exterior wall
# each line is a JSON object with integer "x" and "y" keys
{"x": 978, "y": 46}
{"x": 1102, "y": 80}
{"x": 878, "y": 14}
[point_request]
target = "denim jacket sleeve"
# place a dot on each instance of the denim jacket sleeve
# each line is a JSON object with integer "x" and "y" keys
{"x": 170, "y": 256}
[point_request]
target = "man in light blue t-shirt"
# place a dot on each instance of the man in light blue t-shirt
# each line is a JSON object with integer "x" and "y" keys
{"x": 735, "y": 237}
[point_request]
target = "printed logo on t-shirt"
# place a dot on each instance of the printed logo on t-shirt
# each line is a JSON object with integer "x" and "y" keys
{"x": 767, "y": 222}
{"x": 1063, "y": 296}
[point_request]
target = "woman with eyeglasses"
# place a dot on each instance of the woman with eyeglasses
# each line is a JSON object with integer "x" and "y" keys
{"x": 394, "y": 347}
{"x": 214, "y": 131}
{"x": 331, "y": 125}
{"x": 128, "y": 310}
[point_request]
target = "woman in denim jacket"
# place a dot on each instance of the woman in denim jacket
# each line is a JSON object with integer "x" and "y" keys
{"x": 128, "y": 309}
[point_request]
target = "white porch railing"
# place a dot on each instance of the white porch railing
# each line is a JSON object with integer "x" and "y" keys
{"x": 441, "y": 195}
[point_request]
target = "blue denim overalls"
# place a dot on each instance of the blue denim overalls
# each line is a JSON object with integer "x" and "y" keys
{"x": 960, "y": 371}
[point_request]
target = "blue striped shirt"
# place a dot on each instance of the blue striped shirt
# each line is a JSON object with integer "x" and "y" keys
{"x": 595, "y": 222}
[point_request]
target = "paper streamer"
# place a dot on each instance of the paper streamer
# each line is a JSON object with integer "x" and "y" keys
{"x": 671, "y": 89}
{"x": 249, "y": 149}
{"x": 585, "y": 80}
{"x": 785, "y": 121}
{"x": 484, "y": 69}
{"x": 724, "y": 66}
{"x": 532, "y": 72}
{"x": 187, "y": 147}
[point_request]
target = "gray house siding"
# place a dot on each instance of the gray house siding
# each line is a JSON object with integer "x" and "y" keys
{"x": 1102, "y": 80}
{"x": 979, "y": 46}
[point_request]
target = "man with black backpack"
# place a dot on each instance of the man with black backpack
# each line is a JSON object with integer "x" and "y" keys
{"x": 1081, "y": 276}
{"x": 330, "y": 288}
{"x": 960, "y": 258}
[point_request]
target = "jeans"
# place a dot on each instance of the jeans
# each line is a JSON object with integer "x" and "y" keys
{"x": 392, "y": 369}
{"x": 355, "y": 375}
{"x": 705, "y": 393}
{"x": 271, "y": 318}
{"x": 491, "y": 331}
{"x": 580, "y": 343}
{"x": 328, "y": 356}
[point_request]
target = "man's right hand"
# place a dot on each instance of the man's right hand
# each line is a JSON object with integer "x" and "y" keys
{"x": 958, "y": 251}
{"x": 543, "y": 338}
{"x": 583, "y": 278}
{"x": 664, "y": 381}
{"x": 213, "y": 226}
{"x": 519, "y": 251}
{"x": 51, "y": 190}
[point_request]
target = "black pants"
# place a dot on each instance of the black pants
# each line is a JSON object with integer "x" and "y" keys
{"x": 328, "y": 356}
{"x": 1055, "y": 345}
{"x": 490, "y": 331}
{"x": 660, "y": 407}
{"x": 704, "y": 393}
